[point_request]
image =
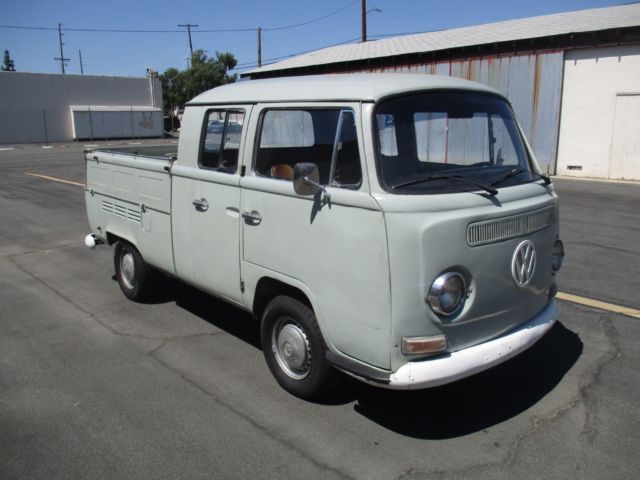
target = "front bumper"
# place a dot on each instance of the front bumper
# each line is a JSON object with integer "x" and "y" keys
{"x": 472, "y": 360}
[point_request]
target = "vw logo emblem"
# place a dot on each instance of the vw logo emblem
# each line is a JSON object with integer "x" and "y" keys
{"x": 523, "y": 263}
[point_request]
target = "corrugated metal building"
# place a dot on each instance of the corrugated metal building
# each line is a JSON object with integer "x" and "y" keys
{"x": 573, "y": 79}
{"x": 41, "y": 107}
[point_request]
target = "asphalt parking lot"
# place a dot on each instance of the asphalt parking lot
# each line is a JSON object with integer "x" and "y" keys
{"x": 95, "y": 386}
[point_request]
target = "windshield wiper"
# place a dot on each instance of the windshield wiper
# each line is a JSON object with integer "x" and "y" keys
{"x": 518, "y": 171}
{"x": 461, "y": 178}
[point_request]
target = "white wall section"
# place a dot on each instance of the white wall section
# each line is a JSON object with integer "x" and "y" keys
{"x": 115, "y": 122}
{"x": 35, "y": 107}
{"x": 599, "y": 108}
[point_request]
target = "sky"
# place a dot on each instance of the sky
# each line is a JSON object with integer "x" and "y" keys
{"x": 290, "y": 27}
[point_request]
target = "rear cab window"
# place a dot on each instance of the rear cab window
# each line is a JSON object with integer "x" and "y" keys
{"x": 326, "y": 137}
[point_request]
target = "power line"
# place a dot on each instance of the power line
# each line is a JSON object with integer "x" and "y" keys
{"x": 188, "y": 26}
{"x": 211, "y": 30}
{"x": 243, "y": 66}
{"x": 105, "y": 30}
{"x": 399, "y": 34}
{"x": 295, "y": 25}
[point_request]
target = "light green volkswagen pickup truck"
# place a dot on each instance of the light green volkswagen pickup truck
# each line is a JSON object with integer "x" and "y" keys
{"x": 394, "y": 227}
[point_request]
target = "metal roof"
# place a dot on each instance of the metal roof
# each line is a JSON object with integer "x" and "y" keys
{"x": 334, "y": 87}
{"x": 527, "y": 28}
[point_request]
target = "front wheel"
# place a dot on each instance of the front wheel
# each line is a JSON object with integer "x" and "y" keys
{"x": 294, "y": 348}
{"x": 134, "y": 276}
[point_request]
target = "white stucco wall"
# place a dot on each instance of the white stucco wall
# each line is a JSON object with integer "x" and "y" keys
{"x": 596, "y": 81}
{"x": 29, "y": 101}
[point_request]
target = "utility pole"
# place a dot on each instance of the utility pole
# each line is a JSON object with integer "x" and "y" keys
{"x": 61, "y": 59}
{"x": 259, "y": 47}
{"x": 188, "y": 26}
{"x": 80, "y": 55}
{"x": 364, "y": 20}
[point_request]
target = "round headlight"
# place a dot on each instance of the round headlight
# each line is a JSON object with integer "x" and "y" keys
{"x": 558, "y": 255}
{"x": 447, "y": 293}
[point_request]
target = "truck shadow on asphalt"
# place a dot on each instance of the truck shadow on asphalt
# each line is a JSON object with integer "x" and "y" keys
{"x": 480, "y": 401}
{"x": 467, "y": 406}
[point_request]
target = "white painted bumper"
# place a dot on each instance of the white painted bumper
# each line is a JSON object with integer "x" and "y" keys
{"x": 467, "y": 362}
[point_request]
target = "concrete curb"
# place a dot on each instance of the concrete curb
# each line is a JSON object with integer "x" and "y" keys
{"x": 600, "y": 180}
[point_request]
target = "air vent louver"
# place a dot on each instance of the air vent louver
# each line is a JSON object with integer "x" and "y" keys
{"x": 499, "y": 229}
{"x": 122, "y": 211}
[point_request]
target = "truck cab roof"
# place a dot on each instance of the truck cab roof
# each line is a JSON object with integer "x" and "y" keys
{"x": 368, "y": 87}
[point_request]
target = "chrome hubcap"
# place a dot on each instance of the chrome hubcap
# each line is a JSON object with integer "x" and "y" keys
{"x": 291, "y": 348}
{"x": 127, "y": 269}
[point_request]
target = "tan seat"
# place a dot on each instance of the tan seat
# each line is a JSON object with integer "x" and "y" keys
{"x": 282, "y": 171}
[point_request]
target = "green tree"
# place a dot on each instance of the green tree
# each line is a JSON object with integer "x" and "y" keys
{"x": 7, "y": 64}
{"x": 205, "y": 73}
{"x": 172, "y": 81}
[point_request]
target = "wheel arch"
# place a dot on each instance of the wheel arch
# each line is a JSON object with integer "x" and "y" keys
{"x": 268, "y": 288}
{"x": 112, "y": 238}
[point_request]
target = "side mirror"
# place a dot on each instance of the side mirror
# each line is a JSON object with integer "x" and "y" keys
{"x": 306, "y": 178}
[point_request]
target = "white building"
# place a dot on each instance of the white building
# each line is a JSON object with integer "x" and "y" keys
{"x": 38, "y": 107}
{"x": 573, "y": 79}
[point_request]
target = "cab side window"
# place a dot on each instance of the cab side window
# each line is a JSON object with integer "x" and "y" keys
{"x": 221, "y": 140}
{"x": 326, "y": 137}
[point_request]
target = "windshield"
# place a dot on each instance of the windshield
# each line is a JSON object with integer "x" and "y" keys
{"x": 449, "y": 142}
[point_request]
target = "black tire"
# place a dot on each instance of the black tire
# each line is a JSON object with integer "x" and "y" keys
{"x": 135, "y": 277}
{"x": 295, "y": 350}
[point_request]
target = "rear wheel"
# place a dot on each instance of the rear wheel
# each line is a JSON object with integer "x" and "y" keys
{"x": 135, "y": 277}
{"x": 294, "y": 348}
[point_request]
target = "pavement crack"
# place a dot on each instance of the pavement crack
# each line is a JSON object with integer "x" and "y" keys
{"x": 164, "y": 341}
{"x": 583, "y": 396}
{"x": 96, "y": 317}
{"x": 247, "y": 418}
{"x": 590, "y": 430}
{"x": 12, "y": 259}
{"x": 606, "y": 247}
{"x": 39, "y": 250}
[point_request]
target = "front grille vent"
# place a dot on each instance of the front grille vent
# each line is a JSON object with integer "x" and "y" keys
{"x": 122, "y": 211}
{"x": 541, "y": 219}
{"x": 496, "y": 230}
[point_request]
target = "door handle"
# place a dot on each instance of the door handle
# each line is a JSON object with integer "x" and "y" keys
{"x": 253, "y": 217}
{"x": 201, "y": 205}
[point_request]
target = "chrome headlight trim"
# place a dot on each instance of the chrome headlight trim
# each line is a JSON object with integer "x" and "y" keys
{"x": 445, "y": 284}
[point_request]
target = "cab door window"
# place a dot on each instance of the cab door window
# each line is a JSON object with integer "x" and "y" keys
{"x": 326, "y": 137}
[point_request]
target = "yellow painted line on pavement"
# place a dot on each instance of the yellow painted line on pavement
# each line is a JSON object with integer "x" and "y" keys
{"x": 607, "y": 307}
{"x": 55, "y": 179}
